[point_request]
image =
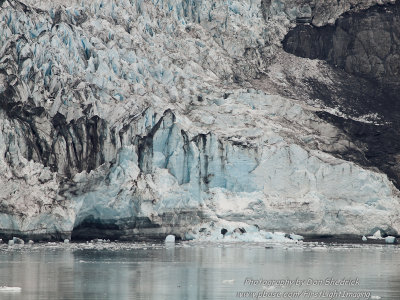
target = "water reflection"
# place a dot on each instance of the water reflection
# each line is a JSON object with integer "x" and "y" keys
{"x": 200, "y": 272}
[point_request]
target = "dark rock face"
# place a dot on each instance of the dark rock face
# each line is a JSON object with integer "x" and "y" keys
{"x": 365, "y": 44}
{"x": 364, "y": 50}
{"x": 382, "y": 144}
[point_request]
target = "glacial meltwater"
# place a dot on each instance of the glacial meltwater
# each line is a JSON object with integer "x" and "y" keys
{"x": 199, "y": 271}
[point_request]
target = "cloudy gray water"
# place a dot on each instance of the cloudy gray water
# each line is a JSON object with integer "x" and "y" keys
{"x": 126, "y": 271}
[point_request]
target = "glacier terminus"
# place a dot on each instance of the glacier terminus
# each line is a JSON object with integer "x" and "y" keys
{"x": 134, "y": 119}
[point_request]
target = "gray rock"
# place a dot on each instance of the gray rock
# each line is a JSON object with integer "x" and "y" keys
{"x": 363, "y": 43}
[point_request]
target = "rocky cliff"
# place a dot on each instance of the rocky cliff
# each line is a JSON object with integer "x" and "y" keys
{"x": 136, "y": 119}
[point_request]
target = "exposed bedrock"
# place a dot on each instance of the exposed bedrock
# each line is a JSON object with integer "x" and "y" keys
{"x": 365, "y": 44}
{"x": 363, "y": 49}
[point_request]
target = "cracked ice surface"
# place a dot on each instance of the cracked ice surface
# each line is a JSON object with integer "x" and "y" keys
{"x": 180, "y": 142}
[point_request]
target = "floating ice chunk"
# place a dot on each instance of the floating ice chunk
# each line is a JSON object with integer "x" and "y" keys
{"x": 276, "y": 236}
{"x": 18, "y": 241}
{"x": 377, "y": 235}
{"x": 170, "y": 239}
{"x": 237, "y": 232}
{"x": 1, "y": 241}
{"x": 364, "y": 238}
{"x": 296, "y": 237}
{"x": 30, "y": 242}
{"x": 269, "y": 235}
{"x": 390, "y": 240}
{"x": 10, "y": 243}
{"x": 12, "y": 289}
{"x": 253, "y": 228}
{"x": 66, "y": 241}
{"x": 277, "y": 233}
{"x": 189, "y": 236}
{"x": 376, "y": 297}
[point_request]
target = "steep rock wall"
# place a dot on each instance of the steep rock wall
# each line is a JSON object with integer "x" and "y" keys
{"x": 365, "y": 45}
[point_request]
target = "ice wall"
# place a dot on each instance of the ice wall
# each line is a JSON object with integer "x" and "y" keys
{"x": 139, "y": 118}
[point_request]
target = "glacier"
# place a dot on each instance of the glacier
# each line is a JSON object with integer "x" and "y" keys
{"x": 139, "y": 119}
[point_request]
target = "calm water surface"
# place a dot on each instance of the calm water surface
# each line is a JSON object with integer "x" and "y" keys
{"x": 186, "y": 271}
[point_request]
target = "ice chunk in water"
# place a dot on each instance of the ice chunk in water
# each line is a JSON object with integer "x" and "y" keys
{"x": 364, "y": 238}
{"x": 170, "y": 239}
{"x": 296, "y": 237}
{"x": 390, "y": 240}
{"x": 10, "y": 289}
{"x": 18, "y": 241}
{"x": 377, "y": 235}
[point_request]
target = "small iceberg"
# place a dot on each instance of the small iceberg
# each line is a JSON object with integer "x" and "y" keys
{"x": 296, "y": 237}
{"x": 231, "y": 232}
{"x": 18, "y": 241}
{"x": 390, "y": 240}
{"x": 170, "y": 239}
{"x": 376, "y": 236}
{"x": 190, "y": 236}
{"x": 364, "y": 238}
{"x": 10, "y": 289}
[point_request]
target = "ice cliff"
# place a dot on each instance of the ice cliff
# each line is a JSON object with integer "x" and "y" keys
{"x": 137, "y": 119}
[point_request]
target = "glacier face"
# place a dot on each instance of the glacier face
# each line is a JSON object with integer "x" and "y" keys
{"x": 138, "y": 118}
